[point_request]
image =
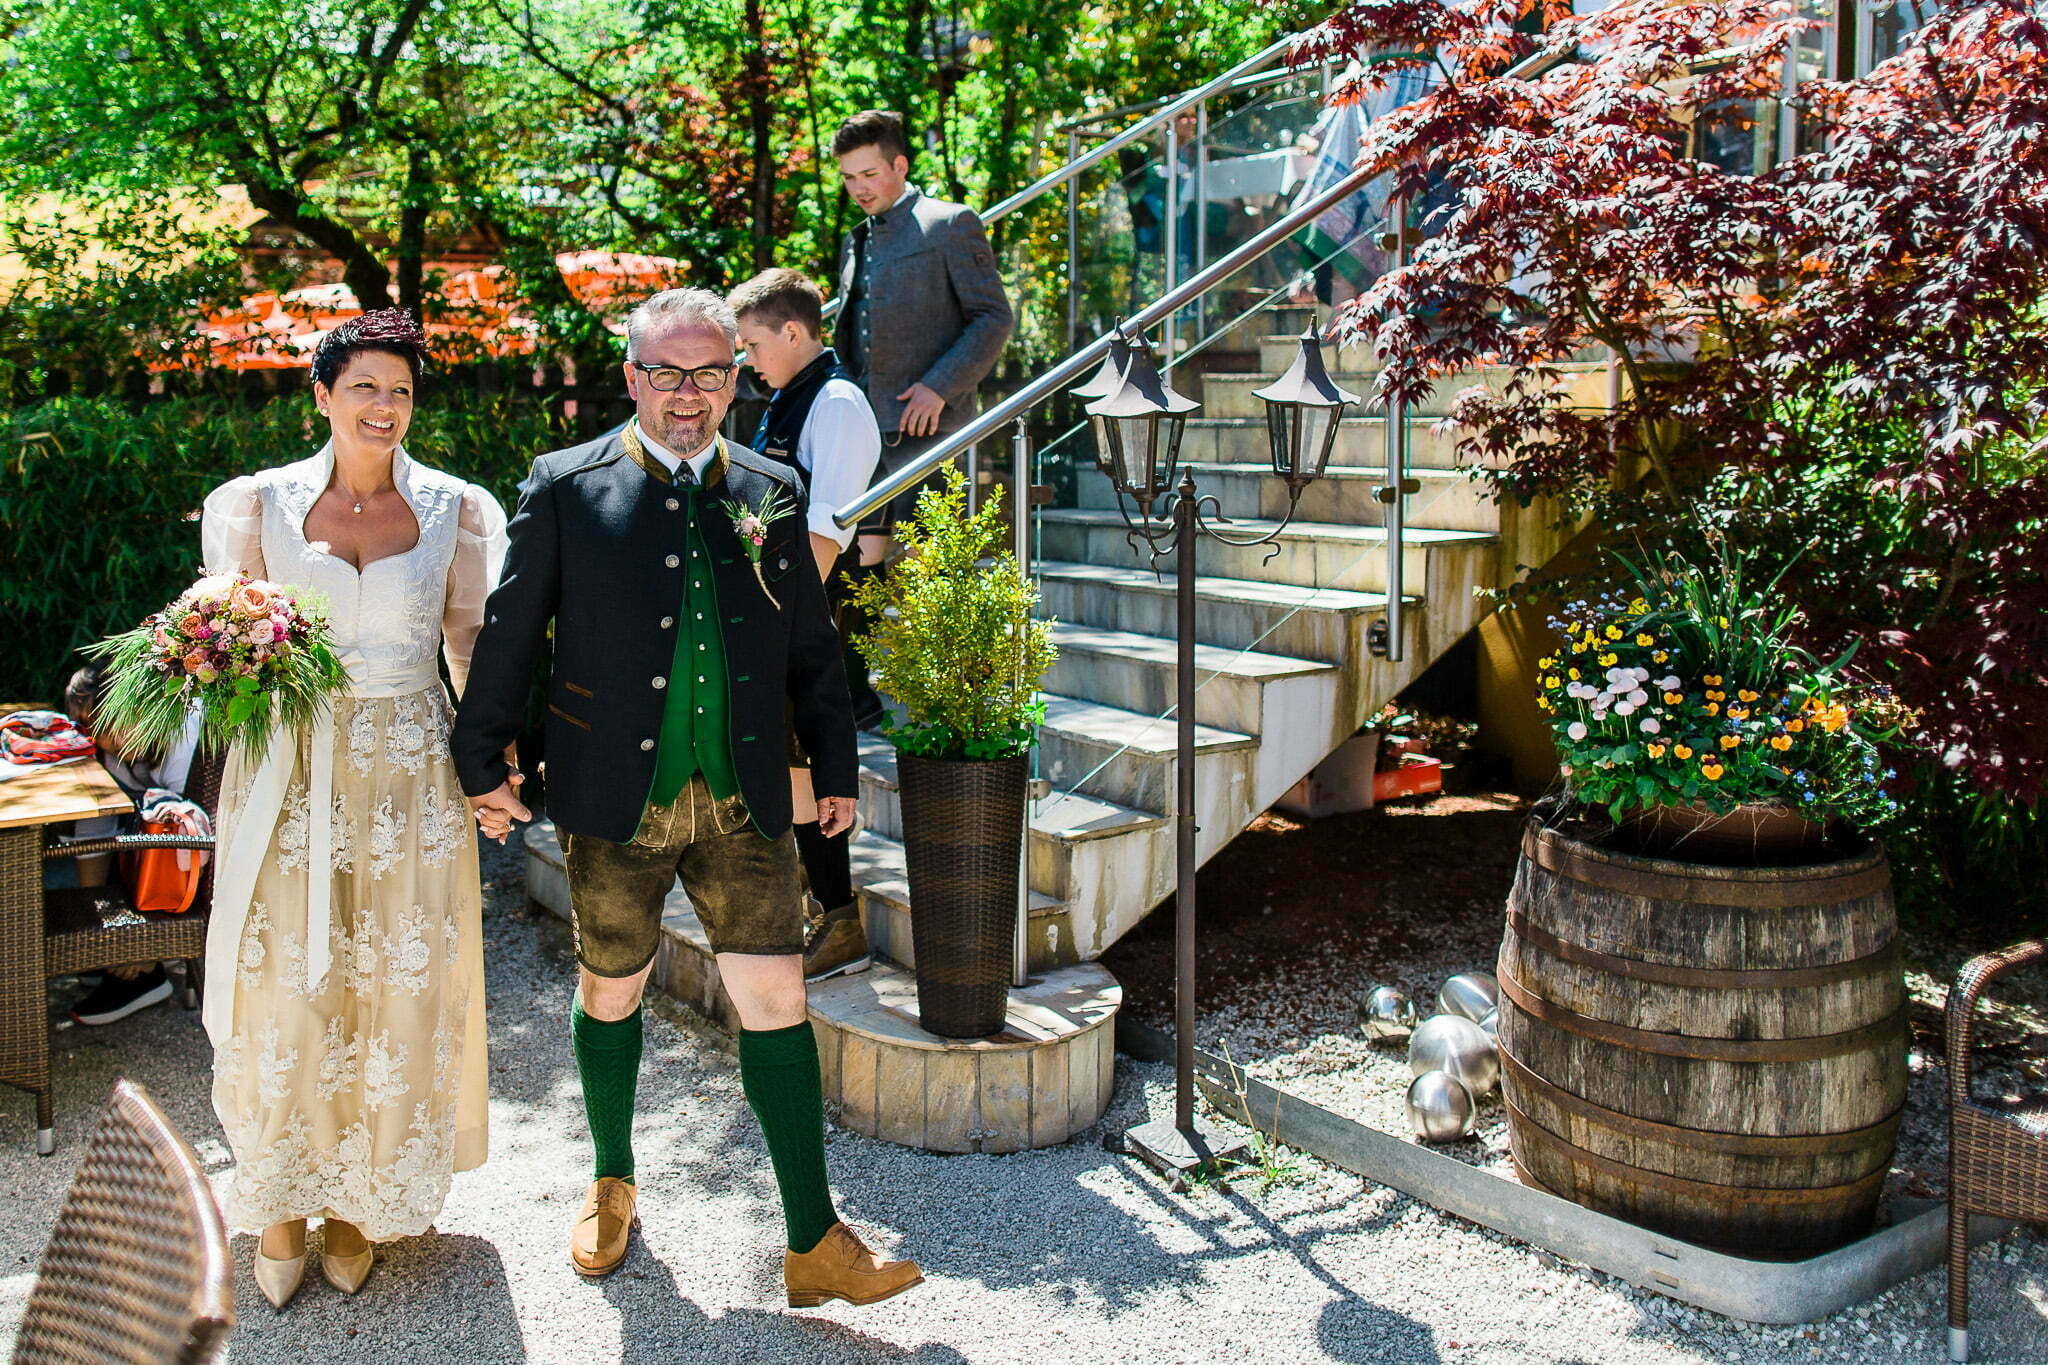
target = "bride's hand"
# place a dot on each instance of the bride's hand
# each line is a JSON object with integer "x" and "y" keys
{"x": 497, "y": 810}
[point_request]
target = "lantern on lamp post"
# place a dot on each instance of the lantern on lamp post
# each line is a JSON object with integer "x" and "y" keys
{"x": 1111, "y": 372}
{"x": 1303, "y": 409}
{"x": 1139, "y": 424}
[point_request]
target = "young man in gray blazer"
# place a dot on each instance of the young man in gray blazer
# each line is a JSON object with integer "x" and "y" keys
{"x": 925, "y": 317}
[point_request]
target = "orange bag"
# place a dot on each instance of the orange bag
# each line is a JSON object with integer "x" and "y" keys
{"x": 155, "y": 878}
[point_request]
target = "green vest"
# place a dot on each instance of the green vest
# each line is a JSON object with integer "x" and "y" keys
{"x": 696, "y": 728}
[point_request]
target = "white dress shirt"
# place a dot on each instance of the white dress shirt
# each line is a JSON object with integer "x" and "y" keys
{"x": 839, "y": 447}
{"x": 672, "y": 461}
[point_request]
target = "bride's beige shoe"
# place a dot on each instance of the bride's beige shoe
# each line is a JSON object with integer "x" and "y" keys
{"x": 279, "y": 1277}
{"x": 346, "y": 1257}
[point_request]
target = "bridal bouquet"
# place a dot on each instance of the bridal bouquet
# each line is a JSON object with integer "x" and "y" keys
{"x": 246, "y": 653}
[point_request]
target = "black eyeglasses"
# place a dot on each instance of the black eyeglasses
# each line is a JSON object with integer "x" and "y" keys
{"x": 668, "y": 378}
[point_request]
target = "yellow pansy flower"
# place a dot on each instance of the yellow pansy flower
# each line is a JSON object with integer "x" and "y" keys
{"x": 1681, "y": 750}
{"x": 1730, "y": 741}
{"x": 1795, "y": 726}
{"x": 1781, "y": 742}
{"x": 1639, "y": 608}
{"x": 1550, "y": 662}
{"x": 1656, "y": 751}
{"x": 1572, "y": 673}
{"x": 1553, "y": 682}
{"x": 1712, "y": 679}
{"x": 1738, "y": 713}
{"x": 1715, "y": 694}
{"x": 1711, "y": 770}
{"x": 1660, "y": 656}
{"x": 1612, "y": 632}
{"x": 1607, "y": 660}
{"x": 1673, "y": 698}
{"x": 1746, "y": 695}
{"x": 1713, "y": 709}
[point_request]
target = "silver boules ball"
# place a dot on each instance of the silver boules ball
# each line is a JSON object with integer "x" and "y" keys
{"x": 1449, "y": 1042}
{"x": 1440, "y": 1108}
{"x": 1490, "y": 1025}
{"x": 1470, "y": 994}
{"x": 1386, "y": 1015}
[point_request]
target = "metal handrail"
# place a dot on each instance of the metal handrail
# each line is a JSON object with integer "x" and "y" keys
{"x": 1058, "y": 177}
{"x": 1060, "y": 375}
{"x": 1250, "y": 81}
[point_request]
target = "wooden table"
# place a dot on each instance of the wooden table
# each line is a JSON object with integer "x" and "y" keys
{"x": 29, "y": 804}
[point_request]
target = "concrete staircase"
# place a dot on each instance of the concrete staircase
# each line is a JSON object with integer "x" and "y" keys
{"x": 1284, "y": 669}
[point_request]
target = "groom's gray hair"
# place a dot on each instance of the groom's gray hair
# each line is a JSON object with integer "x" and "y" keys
{"x": 672, "y": 306}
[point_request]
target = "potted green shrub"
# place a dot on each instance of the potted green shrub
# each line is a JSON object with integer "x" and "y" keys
{"x": 1684, "y": 708}
{"x": 955, "y": 647}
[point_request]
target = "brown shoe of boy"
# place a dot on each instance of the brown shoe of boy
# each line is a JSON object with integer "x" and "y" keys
{"x": 604, "y": 1228}
{"x": 841, "y": 1267}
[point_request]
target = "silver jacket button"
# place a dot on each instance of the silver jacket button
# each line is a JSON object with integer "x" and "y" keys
{"x": 646, "y": 744}
{"x": 673, "y": 505}
{"x": 668, "y": 622}
{"x": 660, "y": 683}
{"x": 672, "y": 562}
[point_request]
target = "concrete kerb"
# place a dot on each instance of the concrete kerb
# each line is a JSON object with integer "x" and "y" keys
{"x": 1772, "y": 1292}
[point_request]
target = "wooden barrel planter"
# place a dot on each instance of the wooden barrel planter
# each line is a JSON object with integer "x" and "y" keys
{"x": 1715, "y": 1053}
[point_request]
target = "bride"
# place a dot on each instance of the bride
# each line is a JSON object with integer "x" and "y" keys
{"x": 344, "y": 963}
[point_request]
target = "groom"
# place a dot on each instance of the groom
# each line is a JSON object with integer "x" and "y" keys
{"x": 681, "y": 653}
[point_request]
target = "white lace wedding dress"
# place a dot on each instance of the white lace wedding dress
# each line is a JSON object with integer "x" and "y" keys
{"x": 344, "y": 976}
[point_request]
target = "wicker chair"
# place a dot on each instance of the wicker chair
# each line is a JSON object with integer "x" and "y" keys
{"x": 89, "y": 929}
{"x": 1998, "y": 1153}
{"x": 137, "y": 1268}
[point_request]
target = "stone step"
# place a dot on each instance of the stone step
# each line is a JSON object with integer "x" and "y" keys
{"x": 1090, "y": 857}
{"x": 1238, "y": 613}
{"x": 1310, "y": 553}
{"x": 1449, "y": 499}
{"x": 1361, "y": 443}
{"x": 1128, "y": 758}
{"x": 881, "y": 882}
{"x": 1045, "y": 1077}
{"x": 1235, "y": 689}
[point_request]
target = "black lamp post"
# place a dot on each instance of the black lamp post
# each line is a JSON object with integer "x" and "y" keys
{"x": 1139, "y": 425}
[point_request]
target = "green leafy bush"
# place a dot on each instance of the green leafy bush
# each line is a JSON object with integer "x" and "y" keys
{"x": 102, "y": 500}
{"x": 954, "y": 642}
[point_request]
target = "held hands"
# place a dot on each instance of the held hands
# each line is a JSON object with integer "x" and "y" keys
{"x": 496, "y": 810}
{"x": 921, "y": 409}
{"x": 835, "y": 814}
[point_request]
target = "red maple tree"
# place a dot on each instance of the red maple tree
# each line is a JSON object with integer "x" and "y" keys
{"x": 1889, "y": 280}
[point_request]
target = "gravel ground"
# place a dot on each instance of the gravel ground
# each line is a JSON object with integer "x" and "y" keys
{"x": 1066, "y": 1255}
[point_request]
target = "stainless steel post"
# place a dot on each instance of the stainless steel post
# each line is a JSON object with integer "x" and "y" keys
{"x": 1395, "y": 494}
{"x": 1171, "y": 235}
{"x": 1020, "y": 521}
{"x": 1073, "y": 244}
{"x": 1201, "y": 195}
{"x": 1185, "y": 532}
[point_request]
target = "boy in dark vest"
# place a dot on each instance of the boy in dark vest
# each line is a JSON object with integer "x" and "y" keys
{"x": 818, "y": 422}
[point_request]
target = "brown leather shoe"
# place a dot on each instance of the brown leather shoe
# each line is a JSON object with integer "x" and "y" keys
{"x": 838, "y": 948}
{"x": 605, "y": 1226}
{"x": 841, "y": 1267}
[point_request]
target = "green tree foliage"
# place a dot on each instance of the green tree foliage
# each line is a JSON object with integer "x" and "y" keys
{"x": 379, "y": 133}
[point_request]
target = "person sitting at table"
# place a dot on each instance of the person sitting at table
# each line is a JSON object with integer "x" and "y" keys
{"x": 136, "y": 985}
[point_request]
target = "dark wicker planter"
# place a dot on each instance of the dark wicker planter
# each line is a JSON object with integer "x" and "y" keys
{"x": 963, "y": 823}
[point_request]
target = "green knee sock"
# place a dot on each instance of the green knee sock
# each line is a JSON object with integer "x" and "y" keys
{"x": 608, "y": 1060}
{"x": 779, "y": 1072}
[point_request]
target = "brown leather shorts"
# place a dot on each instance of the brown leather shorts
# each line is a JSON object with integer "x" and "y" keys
{"x": 745, "y": 887}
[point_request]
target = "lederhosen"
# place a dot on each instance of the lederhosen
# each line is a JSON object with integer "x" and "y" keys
{"x": 781, "y": 428}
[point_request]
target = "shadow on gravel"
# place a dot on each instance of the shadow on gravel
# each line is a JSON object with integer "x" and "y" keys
{"x": 434, "y": 1297}
{"x": 660, "y": 1326}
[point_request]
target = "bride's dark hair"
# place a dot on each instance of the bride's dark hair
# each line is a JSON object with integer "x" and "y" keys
{"x": 391, "y": 330}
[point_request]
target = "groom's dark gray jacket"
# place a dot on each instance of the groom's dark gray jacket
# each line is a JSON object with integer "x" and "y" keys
{"x": 596, "y": 547}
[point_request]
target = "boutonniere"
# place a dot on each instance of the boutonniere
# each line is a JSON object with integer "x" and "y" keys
{"x": 751, "y": 525}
